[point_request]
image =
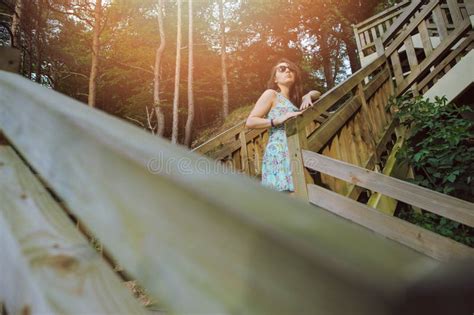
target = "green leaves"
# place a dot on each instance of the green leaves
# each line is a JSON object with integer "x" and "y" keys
{"x": 439, "y": 149}
{"x": 438, "y": 146}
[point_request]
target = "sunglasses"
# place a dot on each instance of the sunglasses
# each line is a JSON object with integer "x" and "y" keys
{"x": 283, "y": 68}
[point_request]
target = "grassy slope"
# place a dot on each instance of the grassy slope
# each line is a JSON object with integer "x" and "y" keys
{"x": 218, "y": 127}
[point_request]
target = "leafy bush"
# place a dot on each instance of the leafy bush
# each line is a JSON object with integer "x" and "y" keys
{"x": 440, "y": 144}
{"x": 440, "y": 149}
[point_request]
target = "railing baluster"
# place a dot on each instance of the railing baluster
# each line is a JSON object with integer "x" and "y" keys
{"x": 425, "y": 38}
{"x": 455, "y": 12}
{"x": 440, "y": 22}
{"x": 411, "y": 54}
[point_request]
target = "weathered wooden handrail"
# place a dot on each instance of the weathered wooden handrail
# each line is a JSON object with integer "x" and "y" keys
{"x": 387, "y": 25}
{"x": 420, "y": 68}
{"x": 197, "y": 238}
{"x": 453, "y": 208}
{"x": 406, "y": 233}
{"x": 39, "y": 241}
{"x": 366, "y": 32}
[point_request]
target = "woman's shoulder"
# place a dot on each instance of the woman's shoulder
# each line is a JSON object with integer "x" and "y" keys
{"x": 270, "y": 92}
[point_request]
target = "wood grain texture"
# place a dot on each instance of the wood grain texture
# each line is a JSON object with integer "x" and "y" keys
{"x": 438, "y": 54}
{"x": 444, "y": 205}
{"x": 200, "y": 242}
{"x": 71, "y": 276}
{"x": 424, "y": 241}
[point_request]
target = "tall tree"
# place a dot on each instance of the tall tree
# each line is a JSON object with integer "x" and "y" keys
{"x": 175, "y": 131}
{"x": 16, "y": 26}
{"x": 189, "y": 122}
{"x": 95, "y": 53}
{"x": 225, "y": 87}
{"x": 160, "y": 116}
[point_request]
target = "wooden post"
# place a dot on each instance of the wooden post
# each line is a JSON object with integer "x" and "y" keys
{"x": 379, "y": 46}
{"x": 297, "y": 141}
{"x": 243, "y": 153}
{"x": 371, "y": 125}
{"x": 9, "y": 59}
{"x": 470, "y": 11}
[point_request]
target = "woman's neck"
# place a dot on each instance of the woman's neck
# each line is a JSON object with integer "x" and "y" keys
{"x": 285, "y": 91}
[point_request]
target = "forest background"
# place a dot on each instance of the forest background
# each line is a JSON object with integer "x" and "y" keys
{"x": 180, "y": 68}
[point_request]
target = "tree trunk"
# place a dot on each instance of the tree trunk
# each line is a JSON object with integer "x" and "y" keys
{"x": 160, "y": 117}
{"x": 95, "y": 53}
{"x": 351, "y": 46}
{"x": 174, "y": 132}
{"x": 327, "y": 63}
{"x": 38, "y": 41}
{"x": 16, "y": 30}
{"x": 225, "y": 88}
{"x": 189, "y": 122}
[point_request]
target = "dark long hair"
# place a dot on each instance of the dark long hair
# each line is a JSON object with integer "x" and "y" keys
{"x": 296, "y": 90}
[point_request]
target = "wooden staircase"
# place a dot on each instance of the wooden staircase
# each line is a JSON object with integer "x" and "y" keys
{"x": 201, "y": 240}
{"x": 362, "y": 131}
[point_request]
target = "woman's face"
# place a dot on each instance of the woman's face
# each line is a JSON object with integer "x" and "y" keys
{"x": 284, "y": 75}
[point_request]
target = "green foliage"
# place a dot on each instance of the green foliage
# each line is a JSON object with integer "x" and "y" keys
{"x": 439, "y": 147}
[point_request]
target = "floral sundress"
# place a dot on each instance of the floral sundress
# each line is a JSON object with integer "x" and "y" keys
{"x": 276, "y": 169}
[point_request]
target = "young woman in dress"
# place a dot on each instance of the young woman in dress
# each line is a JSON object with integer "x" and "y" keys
{"x": 274, "y": 107}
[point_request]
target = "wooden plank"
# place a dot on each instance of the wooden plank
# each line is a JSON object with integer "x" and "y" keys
{"x": 397, "y": 68}
{"x": 376, "y": 83}
{"x": 367, "y": 38}
{"x": 380, "y": 21}
{"x": 357, "y": 39}
{"x": 325, "y": 132}
{"x": 220, "y": 242}
{"x": 221, "y": 138}
{"x": 381, "y": 15}
{"x": 71, "y": 276}
{"x": 440, "y": 22}
{"x": 244, "y": 154}
{"x": 425, "y": 38}
{"x": 421, "y": 240}
{"x": 296, "y": 142}
{"x": 446, "y": 61}
{"x": 373, "y": 31}
{"x": 444, "y": 205}
{"x": 383, "y": 203}
{"x": 401, "y": 21}
{"x": 455, "y": 12}
{"x": 413, "y": 25}
{"x": 335, "y": 94}
{"x": 411, "y": 54}
{"x": 438, "y": 54}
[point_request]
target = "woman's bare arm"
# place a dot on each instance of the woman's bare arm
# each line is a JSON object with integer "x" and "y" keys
{"x": 261, "y": 108}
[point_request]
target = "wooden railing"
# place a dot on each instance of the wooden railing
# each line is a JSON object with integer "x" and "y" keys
{"x": 357, "y": 132}
{"x": 387, "y": 25}
{"x": 419, "y": 64}
{"x": 201, "y": 240}
{"x": 422, "y": 240}
{"x": 196, "y": 242}
{"x": 368, "y": 31}
{"x": 241, "y": 148}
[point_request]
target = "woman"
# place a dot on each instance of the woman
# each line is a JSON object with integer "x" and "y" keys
{"x": 274, "y": 107}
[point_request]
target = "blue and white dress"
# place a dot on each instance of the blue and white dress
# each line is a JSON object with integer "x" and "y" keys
{"x": 276, "y": 169}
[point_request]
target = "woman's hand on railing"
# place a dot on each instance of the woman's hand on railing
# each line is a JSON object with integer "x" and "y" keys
{"x": 309, "y": 98}
{"x": 280, "y": 120}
